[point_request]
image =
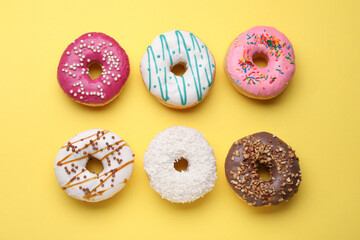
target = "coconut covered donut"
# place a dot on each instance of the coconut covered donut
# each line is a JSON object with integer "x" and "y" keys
{"x": 73, "y": 69}
{"x": 254, "y": 81}
{"x": 165, "y": 150}
{"x": 172, "y": 49}
{"x": 70, "y": 165}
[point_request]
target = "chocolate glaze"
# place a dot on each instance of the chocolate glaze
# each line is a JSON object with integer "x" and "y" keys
{"x": 242, "y": 164}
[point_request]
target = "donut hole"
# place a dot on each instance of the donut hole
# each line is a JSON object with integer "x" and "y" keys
{"x": 94, "y": 165}
{"x": 260, "y": 60}
{"x": 95, "y": 70}
{"x": 181, "y": 165}
{"x": 179, "y": 69}
{"x": 264, "y": 173}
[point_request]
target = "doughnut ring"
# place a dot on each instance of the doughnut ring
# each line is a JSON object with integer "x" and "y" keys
{"x": 172, "y": 49}
{"x": 257, "y": 82}
{"x": 263, "y": 149}
{"x": 73, "y": 70}
{"x": 165, "y": 150}
{"x": 70, "y": 165}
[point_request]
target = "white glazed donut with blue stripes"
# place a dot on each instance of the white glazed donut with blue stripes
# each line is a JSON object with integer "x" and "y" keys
{"x": 172, "y": 48}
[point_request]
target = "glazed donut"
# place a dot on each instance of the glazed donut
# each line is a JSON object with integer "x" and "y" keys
{"x": 168, "y": 147}
{"x": 254, "y": 81}
{"x": 168, "y": 50}
{"x": 73, "y": 70}
{"x": 266, "y": 150}
{"x": 115, "y": 155}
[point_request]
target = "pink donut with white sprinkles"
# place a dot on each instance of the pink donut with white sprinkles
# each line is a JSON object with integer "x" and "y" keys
{"x": 73, "y": 69}
{"x": 254, "y": 81}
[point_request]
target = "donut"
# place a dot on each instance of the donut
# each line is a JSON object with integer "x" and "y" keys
{"x": 78, "y": 182}
{"x": 265, "y": 150}
{"x": 168, "y": 51}
{"x": 73, "y": 70}
{"x": 168, "y": 148}
{"x": 257, "y": 82}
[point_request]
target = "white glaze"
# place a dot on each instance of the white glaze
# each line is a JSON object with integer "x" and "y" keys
{"x": 167, "y": 50}
{"x": 171, "y": 145}
{"x": 112, "y": 183}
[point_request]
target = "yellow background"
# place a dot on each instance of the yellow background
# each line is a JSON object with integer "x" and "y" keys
{"x": 318, "y": 115}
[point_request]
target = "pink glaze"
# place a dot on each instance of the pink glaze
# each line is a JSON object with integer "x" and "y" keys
{"x": 272, "y": 79}
{"x": 73, "y": 69}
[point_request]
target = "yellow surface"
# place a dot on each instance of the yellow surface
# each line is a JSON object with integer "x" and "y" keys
{"x": 318, "y": 115}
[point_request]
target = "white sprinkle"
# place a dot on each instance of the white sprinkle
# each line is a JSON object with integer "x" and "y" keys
{"x": 87, "y": 93}
{"x": 98, "y": 94}
{"x": 82, "y": 92}
{"x": 102, "y": 96}
{"x": 71, "y": 91}
{"x": 75, "y": 94}
{"x": 99, "y": 86}
{"x": 65, "y": 64}
{"x": 108, "y": 83}
{"x": 75, "y": 48}
{"x": 63, "y": 70}
{"x": 104, "y": 43}
{"x": 66, "y": 70}
{"x": 104, "y": 81}
{"x": 89, "y": 35}
{"x": 115, "y": 79}
{"x": 101, "y": 89}
{"x": 79, "y": 90}
{"x": 74, "y": 75}
{"x": 82, "y": 41}
{"x": 110, "y": 44}
{"x": 81, "y": 97}
{"x": 88, "y": 60}
{"x": 68, "y": 53}
{"x": 92, "y": 42}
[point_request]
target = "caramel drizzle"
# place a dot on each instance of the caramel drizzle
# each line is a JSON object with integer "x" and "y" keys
{"x": 77, "y": 159}
{"x": 75, "y": 184}
{"x": 72, "y": 185}
{"x": 112, "y": 152}
{"x": 114, "y": 171}
{"x": 60, "y": 162}
{"x": 96, "y": 194}
{"x": 105, "y": 132}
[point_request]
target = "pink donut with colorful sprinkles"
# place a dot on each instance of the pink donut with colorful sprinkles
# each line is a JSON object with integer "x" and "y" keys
{"x": 73, "y": 69}
{"x": 254, "y": 81}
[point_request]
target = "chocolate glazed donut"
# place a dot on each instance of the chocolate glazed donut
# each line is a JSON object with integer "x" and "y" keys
{"x": 262, "y": 149}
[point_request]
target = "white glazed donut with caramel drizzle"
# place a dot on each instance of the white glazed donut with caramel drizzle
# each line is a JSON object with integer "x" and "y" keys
{"x": 115, "y": 155}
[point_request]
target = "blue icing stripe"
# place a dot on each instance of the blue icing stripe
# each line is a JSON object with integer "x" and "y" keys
{"x": 182, "y": 97}
{"x": 163, "y": 39}
{"x": 152, "y": 52}
{"x": 166, "y": 87}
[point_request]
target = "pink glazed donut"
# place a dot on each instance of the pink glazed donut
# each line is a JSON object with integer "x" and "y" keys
{"x": 73, "y": 69}
{"x": 251, "y": 80}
